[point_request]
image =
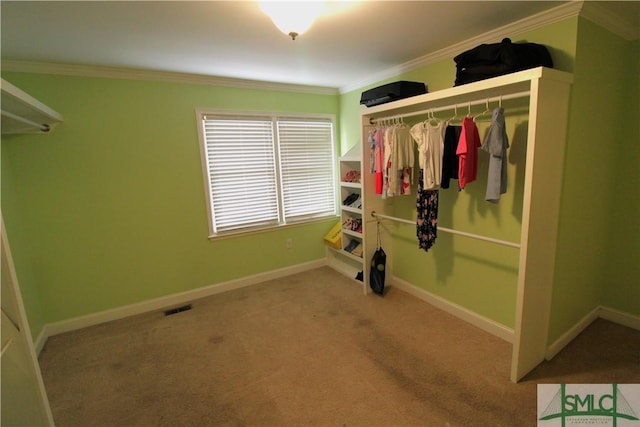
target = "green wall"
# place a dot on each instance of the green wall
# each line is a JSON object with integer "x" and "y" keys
{"x": 21, "y": 250}
{"x": 597, "y": 246}
{"x": 620, "y": 284}
{"x": 109, "y": 209}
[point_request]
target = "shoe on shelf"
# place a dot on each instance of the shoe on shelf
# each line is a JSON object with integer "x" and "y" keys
{"x": 352, "y": 245}
{"x": 348, "y": 224}
{"x": 357, "y": 251}
{"x": 350, "y": 199}
{"x": 351, "y": 176}
{"x": 356, "y": 202}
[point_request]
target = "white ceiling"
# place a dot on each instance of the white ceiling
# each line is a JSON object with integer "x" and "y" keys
{"x": 352, "y": 41}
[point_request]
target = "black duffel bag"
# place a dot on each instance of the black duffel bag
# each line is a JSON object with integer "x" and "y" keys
{"x": 491, "y": 60}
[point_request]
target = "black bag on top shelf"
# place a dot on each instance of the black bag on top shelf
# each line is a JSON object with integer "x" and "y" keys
{"x": 492, "y": 60}
{"x": 392, "y": 92}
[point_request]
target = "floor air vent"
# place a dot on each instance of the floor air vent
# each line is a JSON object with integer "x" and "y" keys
{"x": 177, "y": 310}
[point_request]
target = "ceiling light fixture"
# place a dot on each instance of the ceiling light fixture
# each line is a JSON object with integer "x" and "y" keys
{"x": 292, "y": 17}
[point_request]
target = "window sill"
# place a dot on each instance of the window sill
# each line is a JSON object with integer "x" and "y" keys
{"x": 271, "y": 228}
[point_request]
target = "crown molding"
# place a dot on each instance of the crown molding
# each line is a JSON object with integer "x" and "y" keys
{"x": 532, "y": 22}
{"x": 591, "y": 10}
{"x": 599, "y": 14}
{"x": 173, "y": 77}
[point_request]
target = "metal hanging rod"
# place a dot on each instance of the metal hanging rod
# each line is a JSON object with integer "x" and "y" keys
{"x": 451, "y": 231}
{"x": 468, "y": 104}
{"x": 40, "y": 126}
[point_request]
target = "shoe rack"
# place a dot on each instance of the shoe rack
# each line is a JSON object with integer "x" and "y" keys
{"x": 349, "y": 259}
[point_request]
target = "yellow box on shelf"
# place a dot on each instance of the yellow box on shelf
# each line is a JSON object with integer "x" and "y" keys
{"x": 334, "y": 236}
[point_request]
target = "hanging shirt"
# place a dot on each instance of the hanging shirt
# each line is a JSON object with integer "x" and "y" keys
{"x": 427, "y": 216}
{"x": 430, "y": 141}
{"x": 450, "y": 162}
{"x": 467, "y": 152}
{"x": 402, "y": 161}
{"x": 496, "y": 143}
{"x": 398, "y": 160}
{"x": 372, "y": 151}
{"x": 379, "y": 158}
{"x": 389, "y": 137}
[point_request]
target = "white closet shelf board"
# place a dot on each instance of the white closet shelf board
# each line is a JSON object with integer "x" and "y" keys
{"x": 22, "y": 113}
{"x": 548, "y": 92}
{"x": 353, "y": 155}
{"x": 460, "y": 95}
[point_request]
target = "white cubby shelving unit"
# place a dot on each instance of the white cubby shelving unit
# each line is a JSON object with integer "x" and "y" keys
{"x": 340, "y": 259}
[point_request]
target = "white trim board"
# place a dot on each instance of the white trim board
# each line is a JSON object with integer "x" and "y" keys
{"x": 51, "y": 329}
{"x": 162, "y": 76}
{"x": 488, "y": 325}
{"x": 602, "y": 312}
{"x": 458, "y": 311}
{"x": 507, "y": 334}
{"x": 600, "y": 15}
{"x": 589, "y": 10}
{"x": 619, "y": 317}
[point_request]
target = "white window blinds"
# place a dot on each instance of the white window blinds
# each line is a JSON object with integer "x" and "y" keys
{"x": 306, "y": 162}
{"x": 241, "y": 171}
{"x": 266, "y": 171}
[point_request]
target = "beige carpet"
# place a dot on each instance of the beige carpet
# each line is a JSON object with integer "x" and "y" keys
{"x": 311, "y": 349}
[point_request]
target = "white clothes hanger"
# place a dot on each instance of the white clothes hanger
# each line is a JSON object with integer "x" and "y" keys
{"x": 487, "y": 110}
{"x": 431, "y": 118}
{"x": 455, "y": 115}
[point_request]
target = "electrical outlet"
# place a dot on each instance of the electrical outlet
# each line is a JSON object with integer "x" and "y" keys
{"x": 289, "y": 243}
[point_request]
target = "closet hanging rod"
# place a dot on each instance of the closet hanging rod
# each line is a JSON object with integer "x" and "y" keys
{"x": 449, "y": 230}
{"x": 516, "y": 95}
{"x": 42, "y": 127}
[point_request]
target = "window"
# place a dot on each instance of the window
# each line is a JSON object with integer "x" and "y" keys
{"x": 264, "y": 171}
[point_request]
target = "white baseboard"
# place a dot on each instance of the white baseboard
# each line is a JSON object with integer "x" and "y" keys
{"x": 165, "y": 302}
{"x": 460, "y": 312}
{"x": 607, "y": 313}
{"x": 571, "y": 334}
{"x": 41, "y": 340}
{"x": 620, "y": 317}
{"x": 486, "y": 324}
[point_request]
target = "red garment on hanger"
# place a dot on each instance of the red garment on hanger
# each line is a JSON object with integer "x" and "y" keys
{"x": 467, "y": 152}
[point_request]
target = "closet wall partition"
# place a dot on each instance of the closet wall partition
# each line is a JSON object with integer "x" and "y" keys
{"x": 547, "y": 92}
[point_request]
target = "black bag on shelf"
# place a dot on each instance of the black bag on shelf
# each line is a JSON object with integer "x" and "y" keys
{"x": 391, "y": 92}
{"x": 492, "y": 60}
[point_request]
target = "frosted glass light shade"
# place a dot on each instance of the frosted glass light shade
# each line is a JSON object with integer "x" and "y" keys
{"x": 292, "y": 17}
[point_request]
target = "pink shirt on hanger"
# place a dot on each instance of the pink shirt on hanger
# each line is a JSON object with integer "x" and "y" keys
{"x": 468, "y": 152}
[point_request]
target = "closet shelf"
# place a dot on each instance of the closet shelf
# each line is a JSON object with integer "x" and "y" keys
{"x": 347, "y": 254}
{"x": 350, "y": 209}
{"x": 351, "y": 184}
{"x": 22, "y": 113}
{"x": 351, "y": 233}
{"x": 459, "y": 95}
